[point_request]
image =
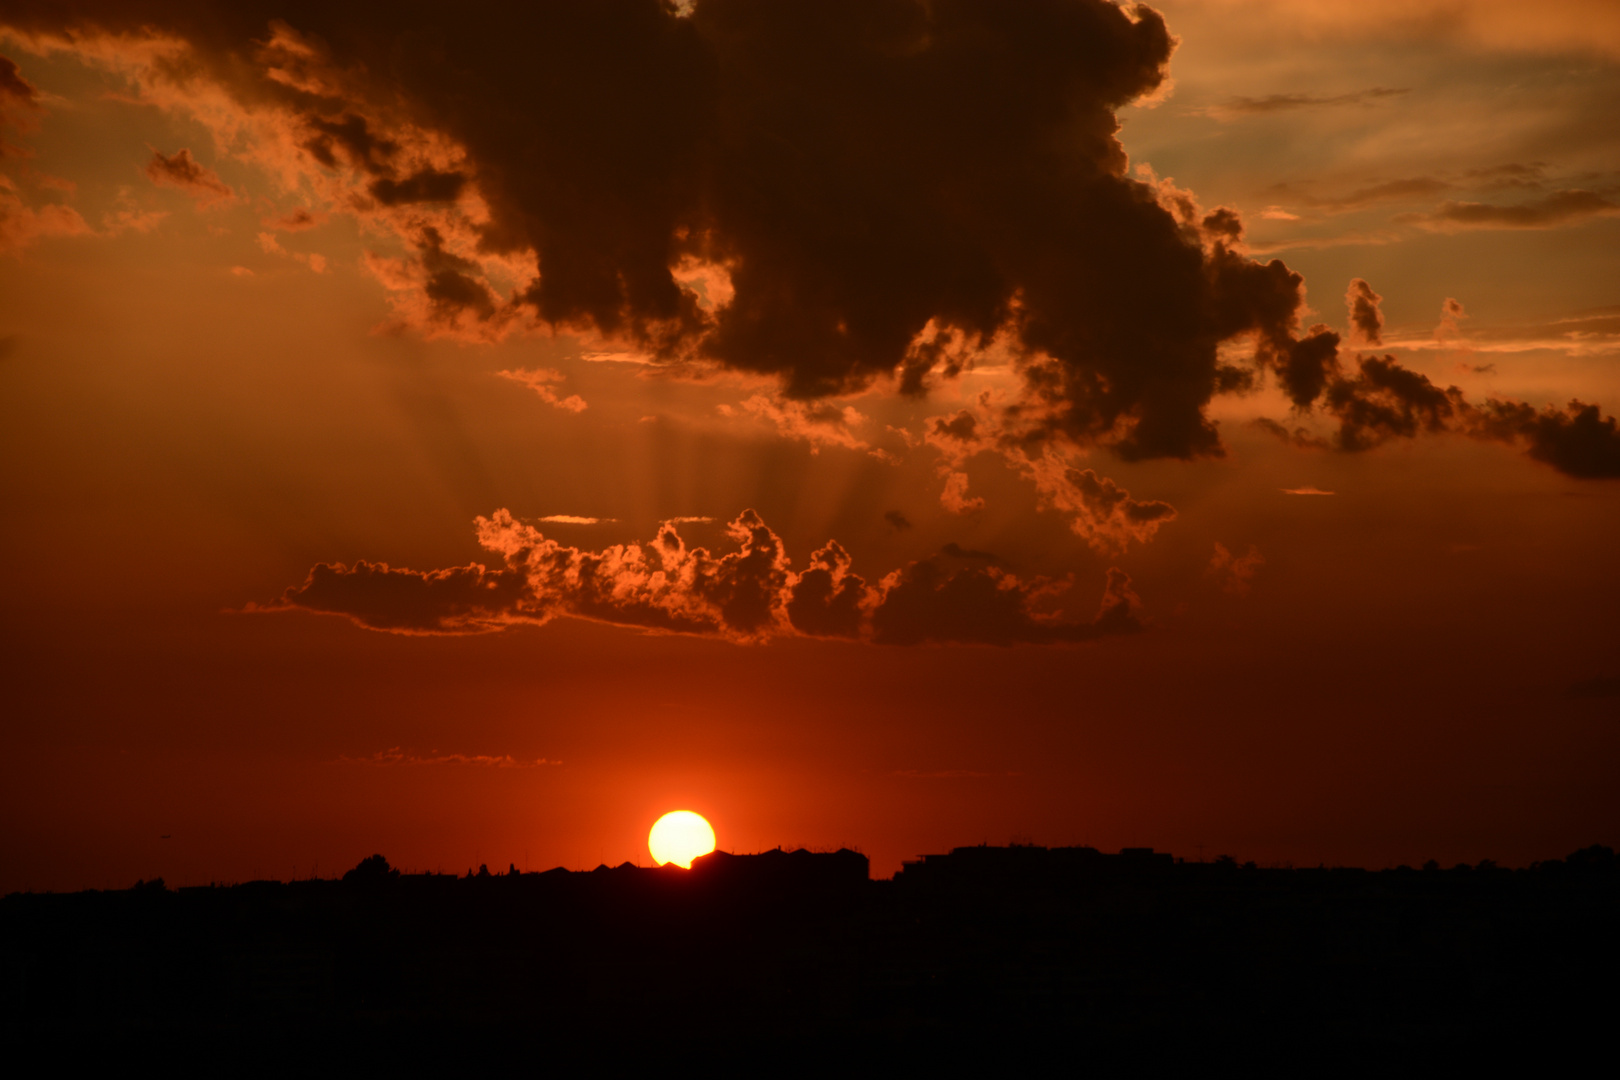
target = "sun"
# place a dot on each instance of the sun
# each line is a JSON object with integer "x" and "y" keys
{"x": 679, "y": 837}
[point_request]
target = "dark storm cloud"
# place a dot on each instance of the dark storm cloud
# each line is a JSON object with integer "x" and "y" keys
{"x": 1366, "y": 321}
{"x": 747, "y": 595}
{"x": 183, "y": 171}
{"x": 887, "y": 185}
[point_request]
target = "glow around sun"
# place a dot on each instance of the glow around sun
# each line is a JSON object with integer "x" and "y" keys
{"x": 679, "y": 837}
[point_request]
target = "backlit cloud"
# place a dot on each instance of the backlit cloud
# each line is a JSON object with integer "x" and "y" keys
{"x": 750, "y": 594}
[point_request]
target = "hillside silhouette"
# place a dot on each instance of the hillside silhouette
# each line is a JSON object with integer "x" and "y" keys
{"x": 984, "y": 950}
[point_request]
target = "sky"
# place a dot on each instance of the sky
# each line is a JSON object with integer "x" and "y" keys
{"x": 468, "y": 433}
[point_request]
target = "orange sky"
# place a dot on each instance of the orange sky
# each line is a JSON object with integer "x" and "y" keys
{"x": 467, "y": 438}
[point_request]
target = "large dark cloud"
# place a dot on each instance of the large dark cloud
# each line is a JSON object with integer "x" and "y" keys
{"x": 747, "y": 595}
{"x": 863, "y": 170}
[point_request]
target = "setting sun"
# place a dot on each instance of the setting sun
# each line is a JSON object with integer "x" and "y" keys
{"x": 679, "y": 837}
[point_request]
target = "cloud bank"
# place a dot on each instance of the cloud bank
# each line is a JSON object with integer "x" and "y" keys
{"x": 747, "y": 595}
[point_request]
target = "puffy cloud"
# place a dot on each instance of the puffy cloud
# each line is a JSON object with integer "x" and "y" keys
{"x": 1100, "y": 511}
{"x": 747, "y": 595}
{"x": 1576, "y": 440}
{"x": 184, "y": 172}
{"x": 1386, "y": 401}
{"x": 464, "y": 599}
{"x": 830, "y": 193}
{"x": 1366, "y": 321}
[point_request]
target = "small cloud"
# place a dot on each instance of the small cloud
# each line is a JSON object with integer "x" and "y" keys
{"x": 241, "y": 271}
{"x": 540, "y": 380}
{"x": 271, "y": 246}
{"x": 897, "y": 520}
{"x": 575, "y": 519}
{"x": 1277, "y": 213}
{"x": 296, "y": 220}
{"x": 186, "y": 173}
{"x": 1306, "y": 491}
{"x": 957, "y": 551}
{"x": 690, "y": 519}
{"x": 616, "y": 358}
{"x": 1235, "y": 574}
{"x": 1273, "y": 103}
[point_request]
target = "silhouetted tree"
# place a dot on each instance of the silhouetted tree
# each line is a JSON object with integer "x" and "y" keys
{"x": 371, "y": 870}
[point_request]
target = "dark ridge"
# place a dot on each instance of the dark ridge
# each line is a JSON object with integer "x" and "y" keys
{"x": 987, "y": 954}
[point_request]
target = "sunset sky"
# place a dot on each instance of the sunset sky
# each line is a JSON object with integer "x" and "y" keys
{"x": 466, "y": 432}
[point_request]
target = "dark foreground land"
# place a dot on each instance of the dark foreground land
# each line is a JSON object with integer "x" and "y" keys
{"x": 986, "y": 951}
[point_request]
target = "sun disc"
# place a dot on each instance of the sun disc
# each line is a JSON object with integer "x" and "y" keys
{"x": 679, "y": 837}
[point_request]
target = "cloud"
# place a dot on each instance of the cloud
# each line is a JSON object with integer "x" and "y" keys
{"x": 1384, "y": 400}
{"x": 1595, "y": 332}
{"x": 1235, "y": 574}
{"x": 897, "y": 520}
{"x": 1305, "y": 491}
{"x": 271, "y": 246}
{"x": 1452, "y": 314}
{"x": 541, "y": 381}
{"x": 1404, "y": 189}
{"x": 1366, "y": 321}
{"x": 990, "y": 607}
{"x": 1569, "y": 26}
{"x": 19, "y": 101}
{"x": 1576, "y": 440}
{"x": 837, "y": 196}
{"x": 575, "y": 519}
{"x": 184, "y": 172}
{"x": 22, "y": 225}
{"x": 295, "y": 220}
{"x": 750, "y": 594}
{"x": 1561, "y": 208}
{"x": 819, "y": 423}
{"x": 1272, "y": 103}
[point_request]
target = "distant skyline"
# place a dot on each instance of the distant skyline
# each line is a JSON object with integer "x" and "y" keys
{"x": 471, "y": 434}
